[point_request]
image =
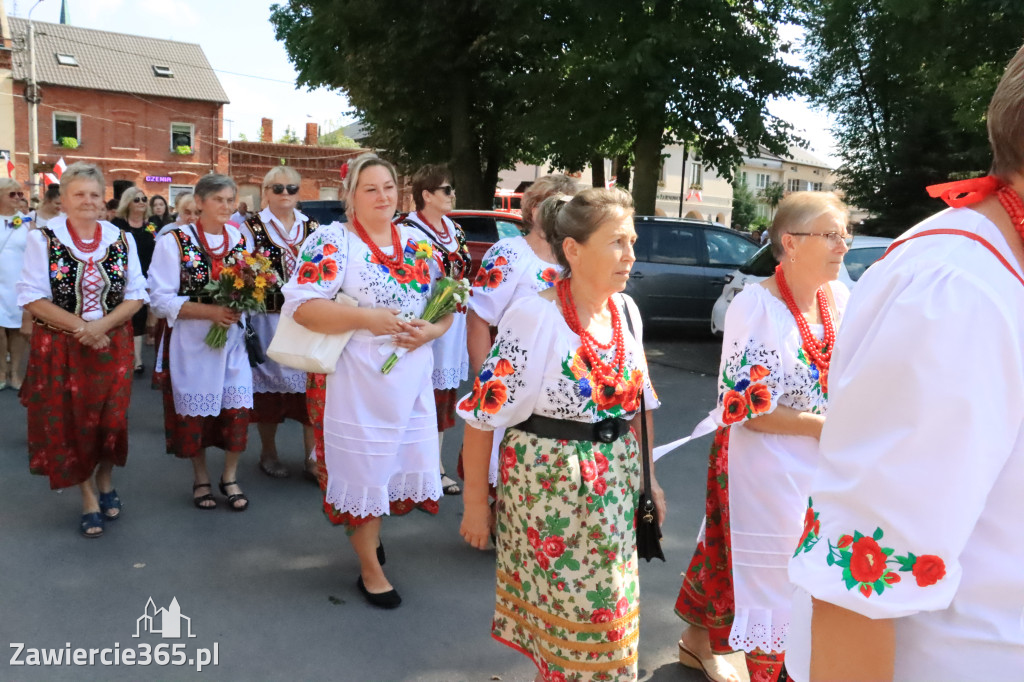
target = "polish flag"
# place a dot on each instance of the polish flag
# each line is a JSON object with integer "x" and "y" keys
{"x": 59, "y": 168}
{"x": 10, "y": 165}
{"x": 610, "y": 183}
{"x": 50, "y": 179}
{"x": 694, "y": 194}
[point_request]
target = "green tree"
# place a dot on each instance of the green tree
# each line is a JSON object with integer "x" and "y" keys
{"x": 337, "y": 138}
{"x": 744, "y": 205}
{"x": 289, "y": 136}
{"x": 428, "y": 79}
{"x": 909, "y": 84}
{"x": 772, "y": 194}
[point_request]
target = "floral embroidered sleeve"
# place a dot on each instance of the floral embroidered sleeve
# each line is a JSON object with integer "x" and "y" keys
{"x": 320, "y": 270}
{"x": 751, "y": 376}
{"x": 912, "y": 446}
{"x": 494, "y": 283}
{"x": 509, "y": 384}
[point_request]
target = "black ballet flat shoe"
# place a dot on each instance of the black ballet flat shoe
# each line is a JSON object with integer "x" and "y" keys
{"x": 384, "y": 600}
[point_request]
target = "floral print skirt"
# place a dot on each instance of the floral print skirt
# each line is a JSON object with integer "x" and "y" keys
{"x": 567, "y": 592}
{"x": 77, "y": 400}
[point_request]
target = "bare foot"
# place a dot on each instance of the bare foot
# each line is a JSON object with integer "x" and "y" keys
{"x": 698, "y": 641}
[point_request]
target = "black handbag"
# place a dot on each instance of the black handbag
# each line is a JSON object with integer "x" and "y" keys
{"x": 648, "y": 525}
{"x": 252, "y": 345}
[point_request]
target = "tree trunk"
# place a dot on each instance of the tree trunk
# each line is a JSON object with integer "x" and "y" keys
{"x": 466, "y": 165}
{"x": 597, "y": 171}
{"x": 647, "y": 155}
{"x": 622, "y": 171}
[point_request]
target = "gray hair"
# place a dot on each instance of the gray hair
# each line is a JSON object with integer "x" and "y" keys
{"x": 126, "y": 202}
{"x": 9, "y": 185}
{"x": 290, "y": 175}
{"x": 563, "y": 217}
{"x": 81, "y": 171}
{"x": 213, "y": 183}
{"x": 361, "y": 163}
{"x": 799, "y": 209}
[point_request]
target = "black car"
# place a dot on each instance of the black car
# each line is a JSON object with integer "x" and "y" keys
{"x": 324, "y": 211}
{"x": 681, "y": 266}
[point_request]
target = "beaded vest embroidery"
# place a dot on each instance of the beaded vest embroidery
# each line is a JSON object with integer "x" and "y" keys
{"x": 66, "y": 272}
{"x": 195, "y": 264}
{"x": 456, "y": 261}
{"x": 282, "y": 260}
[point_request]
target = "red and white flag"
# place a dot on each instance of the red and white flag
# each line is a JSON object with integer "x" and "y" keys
{"x": 10, "y": 164}
{"x": 694, "y": 194}
{"x": 59, "y": 168}
{"x": 610, "y": 183}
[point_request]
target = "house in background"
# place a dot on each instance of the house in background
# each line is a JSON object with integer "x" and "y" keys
{"x": 147, "y": 111}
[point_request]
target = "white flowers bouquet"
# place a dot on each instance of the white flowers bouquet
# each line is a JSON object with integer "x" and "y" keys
{"x": 448, "y": 295}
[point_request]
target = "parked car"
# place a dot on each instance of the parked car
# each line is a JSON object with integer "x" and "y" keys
{"x": 681, "y": 267}
{"x": 324, "y": 211}
{"x": 864, "y": 251}
{"x": 482, "y": 229}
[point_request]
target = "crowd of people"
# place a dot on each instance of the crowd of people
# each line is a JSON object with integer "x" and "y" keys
{"x": 862, "y": 509}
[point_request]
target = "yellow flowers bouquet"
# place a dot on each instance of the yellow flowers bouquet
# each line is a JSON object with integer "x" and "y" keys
{"x": 243, "y": 285}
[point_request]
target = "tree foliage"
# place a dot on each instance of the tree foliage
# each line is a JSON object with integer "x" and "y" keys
{"x": 772, "y": 194}
{"x": 744, "y": 205}
{"x": 909, "y": 83}
{"x": 289, "y": 136}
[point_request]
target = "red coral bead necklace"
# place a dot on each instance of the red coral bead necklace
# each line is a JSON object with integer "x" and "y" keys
{"x": 83, "y": 245}
{"x": 391, "y": 262}
{"x": 1014, "y": 207}
{"x": 444, "y": 233}
{"x": 820, "y": 352}
{"x": 216, "y": 256}
{"x": 608, "y": 375}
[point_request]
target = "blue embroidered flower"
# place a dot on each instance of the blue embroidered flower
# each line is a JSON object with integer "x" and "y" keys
{"x": 742, "y": 385}
{"x": 584, "y": 388}
{"x": 318, "y": 257}
{"x": 486, "y": 375}
{"x": 814, "y": 372}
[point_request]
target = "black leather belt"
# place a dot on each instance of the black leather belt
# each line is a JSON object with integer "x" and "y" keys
{"x": 605, "y": 431}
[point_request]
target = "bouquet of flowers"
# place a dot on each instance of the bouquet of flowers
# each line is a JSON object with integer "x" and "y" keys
{"x": 243, "y": 285}
{"x": 448, "y": 294}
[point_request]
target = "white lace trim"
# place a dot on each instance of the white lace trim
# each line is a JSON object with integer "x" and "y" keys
{"x": 211, "y": 404}
{"x": 444, "y": 378}
{"x": 759, "y": 629}
{"x": 376, "y": 501}
{"x": 284, "y": 381}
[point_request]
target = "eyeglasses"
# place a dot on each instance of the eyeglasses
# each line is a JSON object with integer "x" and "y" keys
{"x": 139, "y": 200}
{"x": 20, "y": 195}
{"x": 834, "y": 238}
{"x": 447, "y": 189}
{"x": 280, "y": 189}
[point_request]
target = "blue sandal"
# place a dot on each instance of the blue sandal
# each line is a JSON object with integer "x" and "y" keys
{"x": 89, "y": 522}
{"x": 110, "y": 502}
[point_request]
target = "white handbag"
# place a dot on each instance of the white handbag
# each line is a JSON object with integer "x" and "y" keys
{"x": 295, "y": 346}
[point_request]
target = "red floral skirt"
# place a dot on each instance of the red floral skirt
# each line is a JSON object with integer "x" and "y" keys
{"x": 445, "y": 401}
{"x": 188, "y": 437}
{"x": 316, "y": 398}
{"x": 706, "y": 597}
{"x": 274, "y": 408}
{"x": 77, "y": 400}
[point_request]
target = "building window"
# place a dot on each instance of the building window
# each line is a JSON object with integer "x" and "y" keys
{"x": 763, "y": 211}
{"x": 696, "y": 174}
{"x": 762, "y": 180}
{"x": 182, "y": 135}
{"x": 794, "y": 185}
{"x": 175, "y": 190}
{"x": 162, "y": 71}
{"x": 66, "y": 126}
{"x": 66, "y": 59}
{"x": 816, "y": 187}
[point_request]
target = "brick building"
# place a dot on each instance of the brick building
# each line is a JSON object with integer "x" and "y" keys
{"x": 146, "y": 111}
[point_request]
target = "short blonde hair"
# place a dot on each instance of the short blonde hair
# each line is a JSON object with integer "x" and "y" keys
{"x": 798, "y": 209}
{"x": 541, "y": 189}
{"x": 126, "y": 202}
{"x": 181, "y": 199}
{"x": 579, "y": 217}
{"x": 361, "y": 163}
{"x": 291, "y": 176}
{"x": 81, "y": 171}
{"x": 1006, "y": 120}
{"x": 10, "y": 185}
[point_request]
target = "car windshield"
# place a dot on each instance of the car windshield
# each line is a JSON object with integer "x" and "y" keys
{"x": 761, "y": 264}
{"x": 859, "y": 260}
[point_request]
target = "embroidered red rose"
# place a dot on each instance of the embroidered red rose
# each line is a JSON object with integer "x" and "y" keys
{"x": 533, "y": 537}
{"x": 600, "y": 486}
{"x": 631, "y": 396}
{"x": 503, "y": 368}
{"x": 402, "y": 273}
{"x": 891, "y": 578}
{"x": 508, "y": 458}
{"x": 554, "y": 546}
{"x": 542, "y": 559}
{"x": 811, "y": 525}
{"x": 867, "y": 561}
{"x": 621, "y": 607}
{"x": 845, "y": 541}
{"x": 329, "y": 269}
{"x": 421, "y": 272}
{"x": 928, "y": 570}
{"x": 758, "y": 372}
{"x": 759, "y": 398}
{"x": 556, "y": 676}
{"x": 471, "y": 400}
{"x": 308, "y": 272}
{"x": 616, "y": 634}
{"x": 588, "y": 471}
{"x": 602, "y": 616}
{"x": 330, "y": 249}
{"x": 734, "y": 407}
{"x": 493, "y": 396}
{"x": 601, "y": 461}
{"x": 549, "y": 275}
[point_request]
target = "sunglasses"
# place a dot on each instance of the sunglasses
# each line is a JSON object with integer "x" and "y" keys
{"x": 447, "y": 189}
{"x": 280, "y": 189}
{"x": 20, "y": 195}
{"x": 139, "y": 200}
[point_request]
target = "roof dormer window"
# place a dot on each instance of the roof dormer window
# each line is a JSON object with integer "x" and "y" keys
{"x": 162, "y": 71}
{"x": 66, "y": 59}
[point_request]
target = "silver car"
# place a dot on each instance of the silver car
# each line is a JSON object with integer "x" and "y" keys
{"x": 865, "y": 251}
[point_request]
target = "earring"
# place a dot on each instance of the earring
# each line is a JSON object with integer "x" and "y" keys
{"x": 792, "y": 259}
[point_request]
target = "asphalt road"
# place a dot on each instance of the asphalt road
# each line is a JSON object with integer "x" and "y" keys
{"x": 272, "y": 590}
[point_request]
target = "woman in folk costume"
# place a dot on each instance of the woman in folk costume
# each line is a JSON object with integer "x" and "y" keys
{"x": 772, "y": 400}
{"x": 434, "y": 196}
{"x": 910, "y": 566}
{"x": 14, "y": 229}
{"x": 81, "y": 282}
{"x": 379, "y": 447}
{"x": 133, "y": 217}
{"x": 279, "y": 392}
{"x": 207, "y": 391}
{"x": 565, "y": 378}
{"x": 513, "y": 268}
